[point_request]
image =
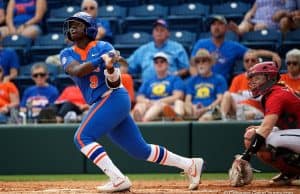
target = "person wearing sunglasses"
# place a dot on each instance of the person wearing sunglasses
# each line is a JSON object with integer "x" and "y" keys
{"x": 237, "y": 102}
{"x": 204, "y": 91}
{"x": 161, "y": 91}
{"x": 40, "y": 95}
{"x": 104, "y": 29}
{"x": 292, "y": 77}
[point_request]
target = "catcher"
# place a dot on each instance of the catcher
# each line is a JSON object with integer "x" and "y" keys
{"x": 276, "y": 140}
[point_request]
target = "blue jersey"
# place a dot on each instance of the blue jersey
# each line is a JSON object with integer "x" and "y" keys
{"x": 204, "y": 90}
{"x": 8, "y": 59}
{"x": 92, "y": 85}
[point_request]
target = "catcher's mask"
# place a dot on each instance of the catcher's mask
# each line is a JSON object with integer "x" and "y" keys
{"x": 91, "y": 29}
{"x": 270, "y": 70}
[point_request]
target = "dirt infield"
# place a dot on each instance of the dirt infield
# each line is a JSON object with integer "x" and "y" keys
{"x": 146, "y": 187}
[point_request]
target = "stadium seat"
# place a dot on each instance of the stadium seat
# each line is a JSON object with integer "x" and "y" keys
{"x": 141, "y": 18}
{"x": 291, "y": 40}
{"x": 186, "y": 38}
{"x": 165, "y": 2}
{"x": 114, "y": 14}
{"x": 262, "y": 39}
{"x": 22, "y": 82}
{"x": 128, "y": 42}
{"x": 188, "y": 17}
{"x": 20, "y": 44}
{"x": 125, "y": 3}
{"x": 49, "y": 44}
{"x": 57, "y": 17}
{"x": 232, "y": 10}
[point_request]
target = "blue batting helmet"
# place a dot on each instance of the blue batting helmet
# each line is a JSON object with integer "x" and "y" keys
{"x": 90, "y": 23}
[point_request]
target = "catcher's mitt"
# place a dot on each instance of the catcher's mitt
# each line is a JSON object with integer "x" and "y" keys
{"x": 240, "y": 173}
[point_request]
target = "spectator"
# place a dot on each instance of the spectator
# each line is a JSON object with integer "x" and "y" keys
{"x": 141, "y": 61}
{"x": 205, "y": 90}
{"x": 288, "y": 18}
{"x": 163, "y": 89}
{"x": 10, "y": 63}
{"x": 23, "y": 17}
{"x": 292, "y": 77}
{"x": 40, "y": 95}
{"x": 9, "y": 97}
{"x": 226, "y": 52}
{"x": 259, "y": 17}
{"x": 67, "y": 102}
{"x": 104, "y": 30}
{"x": 237, "y": 102}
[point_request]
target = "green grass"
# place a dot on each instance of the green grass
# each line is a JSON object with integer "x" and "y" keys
{"x": 89, "y": 177}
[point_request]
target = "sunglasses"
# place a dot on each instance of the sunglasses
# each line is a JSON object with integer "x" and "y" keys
{"x": 202, "y": 60}
{"x": 294, "y": 63}
{"x": 35, "y": 75}
{"x": 88, "y": 8}
{"x": 250, "y": 60}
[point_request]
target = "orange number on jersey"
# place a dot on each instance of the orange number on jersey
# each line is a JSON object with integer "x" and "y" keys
{"x": 93, "y": 81}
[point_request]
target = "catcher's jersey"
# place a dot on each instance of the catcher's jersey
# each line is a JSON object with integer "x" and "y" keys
{"x": 92, "y": 85}
{"x": 283, "y": 102}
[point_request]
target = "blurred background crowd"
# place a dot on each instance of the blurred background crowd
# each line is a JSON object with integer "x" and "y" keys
{"x": 187, "y": 58}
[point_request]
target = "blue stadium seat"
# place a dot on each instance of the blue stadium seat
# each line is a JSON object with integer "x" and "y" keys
{"x": 291, "y": 40}
{"x": 125, "y": 3}
{"x": 188, "y": 17}
{"x": 165, "y": 2}
{"x": 21, "y": 45}
{"x": 23, "y": 82}
{"x": 186, "y": 38}
{"x": 49, "y": 44}
{"x": 262, "y": 39}
{"x": 232, "y": 10}
{"x": 141, "y": 18}
{"x": 128, "y": 42}
{"x": 114, "y": 14}
{"x": 58, "y": 15}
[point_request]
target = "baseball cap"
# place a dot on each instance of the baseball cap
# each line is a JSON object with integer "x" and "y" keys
{"x": 213, "y": 18}
{"x": 161, "y": 55}
{"x": 161, "y": 22}
{"x": 203, "y": 53}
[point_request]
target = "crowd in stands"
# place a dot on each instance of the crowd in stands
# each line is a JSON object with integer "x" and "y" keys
{"x": 166, "y": 80}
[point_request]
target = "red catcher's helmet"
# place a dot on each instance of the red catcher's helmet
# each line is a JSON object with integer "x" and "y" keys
{"x": 270, "y": 70}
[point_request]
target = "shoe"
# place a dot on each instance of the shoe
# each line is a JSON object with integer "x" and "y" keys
{"x": 194, "y": 173}
{"x": 281, "y": 179}
{"x": 170, "y": 114}
{"x": 120, "y": 184}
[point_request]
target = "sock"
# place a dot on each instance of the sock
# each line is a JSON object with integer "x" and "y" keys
{"x": 96, "y": 153}
{"x": 162, "y": 156}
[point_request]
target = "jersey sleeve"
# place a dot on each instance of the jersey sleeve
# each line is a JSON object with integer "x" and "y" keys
{"x": 273, "y": 105}
{"x": 178, "y": 84}
{"x": 66, "y": 58}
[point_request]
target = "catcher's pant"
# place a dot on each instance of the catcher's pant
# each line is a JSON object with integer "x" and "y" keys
{"x": 110, "y": 116}
{"x": 289, "y": 138}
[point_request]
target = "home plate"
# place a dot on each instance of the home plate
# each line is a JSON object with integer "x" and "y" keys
{"x": 63, "y": 190}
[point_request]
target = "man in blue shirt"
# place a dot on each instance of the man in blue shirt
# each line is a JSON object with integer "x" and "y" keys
{"x": 225, "y": 52}
{"x": 141, "y": 61}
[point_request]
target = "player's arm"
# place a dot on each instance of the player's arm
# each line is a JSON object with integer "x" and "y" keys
{"x": 260, "y": 136}
{"x": 112, "y": 74}
{"x": 79, "y": 70}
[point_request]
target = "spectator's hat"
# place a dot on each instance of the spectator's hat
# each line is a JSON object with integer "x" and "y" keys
{"x": 161, "y": 55}
{"x": 203, "y": 53}
{"x": 213, "y": 18}
{"x": 161, "y": 22}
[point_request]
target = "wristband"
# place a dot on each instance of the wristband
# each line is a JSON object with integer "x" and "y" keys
{"x": 255, "y": 145}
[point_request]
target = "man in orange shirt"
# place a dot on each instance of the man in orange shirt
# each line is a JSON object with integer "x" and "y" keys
{"x": 237, "y": 103}
{"x": 292, "y": 77}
